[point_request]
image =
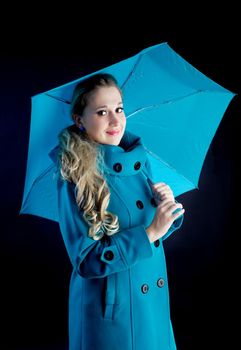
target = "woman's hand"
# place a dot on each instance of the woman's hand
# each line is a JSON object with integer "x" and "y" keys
{"x": 165, "y": 212}
{"x": 162, "y": 191}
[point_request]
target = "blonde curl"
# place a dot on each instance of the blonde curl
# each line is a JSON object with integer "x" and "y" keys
{"x": 81, "y": 162}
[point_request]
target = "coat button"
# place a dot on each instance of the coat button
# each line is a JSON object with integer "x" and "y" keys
{"x": 139, "y": 204}
{"x": 157, "y": 243}
{"x": 153, "y": 202}
{"x": 144, "y": 288}
{"x": 109, "y": 255}
{"x": 137, "y": 165}
{"x": 160, "y": 282}
{"x": 117, "y": 167}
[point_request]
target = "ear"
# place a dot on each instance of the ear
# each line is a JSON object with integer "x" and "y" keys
{"x": 77, "y": 119}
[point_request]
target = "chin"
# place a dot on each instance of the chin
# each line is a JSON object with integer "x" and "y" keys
{"x": 113, "y": 143}
{"x": 114, "y": 140}
{"x": 116, "y": 143}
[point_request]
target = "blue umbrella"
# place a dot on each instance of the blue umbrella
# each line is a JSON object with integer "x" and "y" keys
{"x": 169, "y": 103}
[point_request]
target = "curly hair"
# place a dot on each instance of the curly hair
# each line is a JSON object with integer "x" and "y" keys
{"x": 81, "y": 162}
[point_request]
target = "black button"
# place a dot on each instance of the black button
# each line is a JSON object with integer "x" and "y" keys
{"x": 139, "y": 204}
{"x": 153, "y": 202}
{"x": 160, "y": 282}
{"x": 137, "y": 165}
{"x": 144, "y": 288}
{"x": 109, "y": 255}
{"x": 117, "y": 167}
{"x": 157, "y": 243}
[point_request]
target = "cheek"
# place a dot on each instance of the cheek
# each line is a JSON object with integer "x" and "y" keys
{"x": 124, "y": 121}
{"x": 96, "y": 124}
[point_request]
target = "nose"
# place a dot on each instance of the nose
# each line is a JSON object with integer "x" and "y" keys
{"x": 113, "y": 118}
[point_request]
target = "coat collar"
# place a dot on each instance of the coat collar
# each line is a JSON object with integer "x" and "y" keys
{"x": 126, "y": 159}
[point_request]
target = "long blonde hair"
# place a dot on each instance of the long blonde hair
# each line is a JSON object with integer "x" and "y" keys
{"x": 81, "y": 162}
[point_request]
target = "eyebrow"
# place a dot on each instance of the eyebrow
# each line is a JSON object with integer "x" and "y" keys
{"x": 120, "y": 103}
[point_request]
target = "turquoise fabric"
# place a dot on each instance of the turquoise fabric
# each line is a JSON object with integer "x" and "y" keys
{"x": 118, "y": 296}
{"x": 173, "y": 107}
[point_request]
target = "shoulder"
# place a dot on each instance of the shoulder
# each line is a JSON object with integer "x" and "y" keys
{"x": 66, "y": 188}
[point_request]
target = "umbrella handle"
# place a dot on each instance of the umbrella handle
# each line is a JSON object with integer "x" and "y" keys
{"x": 150, "y": 182}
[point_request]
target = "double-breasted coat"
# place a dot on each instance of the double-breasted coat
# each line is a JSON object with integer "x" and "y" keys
{"x": 118, "y": 294}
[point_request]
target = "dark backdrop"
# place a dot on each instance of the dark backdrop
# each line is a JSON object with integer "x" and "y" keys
{"x": 202, "y": 256}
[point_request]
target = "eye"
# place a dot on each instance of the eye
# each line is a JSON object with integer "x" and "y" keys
{"x": 102, "y": 112}
{"x": 119, "y": 109}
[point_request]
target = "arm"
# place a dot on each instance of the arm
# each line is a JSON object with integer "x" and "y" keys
{"x": 169, "y": 213}
{"x": 97, "y": 258}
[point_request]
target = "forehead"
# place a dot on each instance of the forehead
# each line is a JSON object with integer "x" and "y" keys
{"x": 104, "y": 95}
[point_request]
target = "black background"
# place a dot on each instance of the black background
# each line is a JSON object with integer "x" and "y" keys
{"x": 48, "y": 48}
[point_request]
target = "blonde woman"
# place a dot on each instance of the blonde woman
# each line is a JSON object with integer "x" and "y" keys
{"x": 113, "y": 220}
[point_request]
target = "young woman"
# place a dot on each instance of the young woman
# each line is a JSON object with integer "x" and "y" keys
{"x": 113, "y": 220}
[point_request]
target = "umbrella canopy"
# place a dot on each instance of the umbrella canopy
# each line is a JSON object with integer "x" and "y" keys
{"x": 169, "y": 103}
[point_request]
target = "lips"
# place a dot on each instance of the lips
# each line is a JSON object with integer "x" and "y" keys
{"x": 113, "y": 132}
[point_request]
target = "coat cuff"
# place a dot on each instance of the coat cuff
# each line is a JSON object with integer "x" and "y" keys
{"x": 175, "y": 225}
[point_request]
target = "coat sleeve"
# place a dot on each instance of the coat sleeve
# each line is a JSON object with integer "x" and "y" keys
{"x": 176, "y": 225}
{"x": 97, "y": 258}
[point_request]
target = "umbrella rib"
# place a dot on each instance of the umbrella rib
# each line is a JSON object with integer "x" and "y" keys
{"x": 132, "y": 71}
{"x": 140, "y": 109}
{"x": 162, "y": 103}
{"x": 171, "y": 167}
{"x": 38, "y": 178}
{"x": 58, "y": 98}
{"x": 122, "y": 87}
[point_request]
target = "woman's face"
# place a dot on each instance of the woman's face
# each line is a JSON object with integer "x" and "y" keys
{"x": 103, "y": 117}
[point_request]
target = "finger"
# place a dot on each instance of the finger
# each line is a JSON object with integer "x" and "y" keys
{"x": 160, "y": 199}
{"x": 167, "y": 196}
{"x": 155, "y": 187}
{"x": 166, "y": 203}
{"x": 178, "y": 213}
{"x": 164, "y": 194}
{"x": 161, "y": 186}
{"x": 162, "y": 189}
{"x": 173, "y": 207}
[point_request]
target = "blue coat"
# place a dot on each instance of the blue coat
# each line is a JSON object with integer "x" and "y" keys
{"x": 118, "y": 296}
